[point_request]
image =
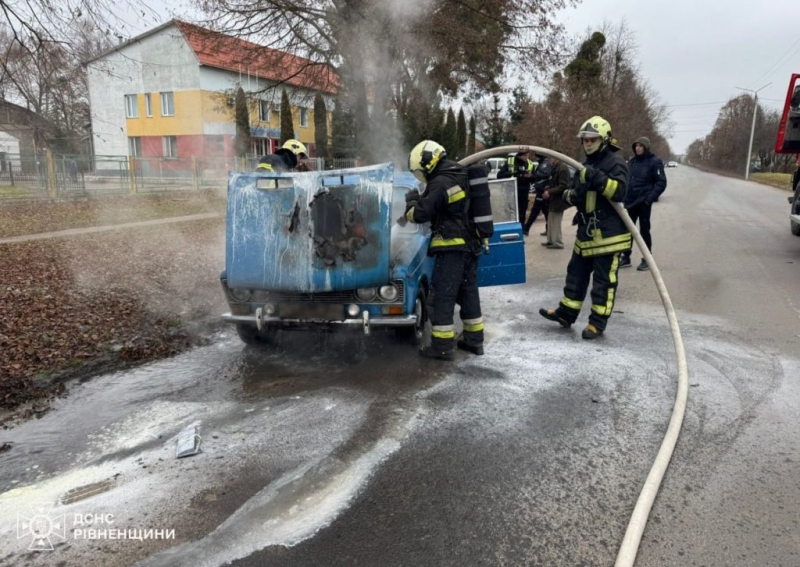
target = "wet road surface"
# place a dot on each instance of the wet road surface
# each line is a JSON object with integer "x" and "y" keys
{"x": 345, "y": 451}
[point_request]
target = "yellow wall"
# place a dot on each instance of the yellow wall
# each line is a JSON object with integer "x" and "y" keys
{"x": 195, "y": 108}
{"x": 187, "y": 120}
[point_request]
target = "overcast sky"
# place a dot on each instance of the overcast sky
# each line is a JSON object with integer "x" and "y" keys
{"x": 694, "y": 53}
{"x": 698, "y": 51}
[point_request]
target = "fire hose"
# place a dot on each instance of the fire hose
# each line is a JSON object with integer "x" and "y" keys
{"x": 633, "y": 534}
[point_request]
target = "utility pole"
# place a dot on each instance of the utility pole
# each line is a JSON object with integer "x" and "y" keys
{"x": 752, "y": 126}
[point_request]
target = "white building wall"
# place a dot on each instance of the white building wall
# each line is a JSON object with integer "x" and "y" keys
{"x": 156, "y": 63}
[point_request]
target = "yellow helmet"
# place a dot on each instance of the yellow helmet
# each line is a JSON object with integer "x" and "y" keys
{"x": 424, "y": 157}
{"x": 595, "y": 127}
{"x": 296, "y": 147}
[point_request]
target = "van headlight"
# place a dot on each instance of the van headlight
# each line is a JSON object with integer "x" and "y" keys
{"x": 240, "y": 294}
{"x": 388, "y": 292}
{"x": 365, "y": 294}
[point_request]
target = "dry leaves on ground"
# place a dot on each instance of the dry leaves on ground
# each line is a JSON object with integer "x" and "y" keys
{"x": 103, "y": 299}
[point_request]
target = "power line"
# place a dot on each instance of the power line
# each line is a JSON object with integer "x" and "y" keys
{"x": 767, "y": 74}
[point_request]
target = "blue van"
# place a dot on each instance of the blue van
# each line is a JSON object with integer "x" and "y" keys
{"x": 324, "y": 250}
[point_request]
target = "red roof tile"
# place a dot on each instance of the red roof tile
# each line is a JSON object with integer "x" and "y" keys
{"x": 215, "y": 49}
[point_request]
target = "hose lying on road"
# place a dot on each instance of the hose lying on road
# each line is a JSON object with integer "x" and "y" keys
{"x": 633, "y": 535}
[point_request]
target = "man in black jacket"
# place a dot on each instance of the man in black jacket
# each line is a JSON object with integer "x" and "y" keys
{"x": 602, "y": 234}
{"x": 521, "y": 167}
{"x": 647, "y": 183}
{"x": 445, "y": 204}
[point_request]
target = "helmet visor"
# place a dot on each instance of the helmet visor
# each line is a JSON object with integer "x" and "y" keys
{"x": 419, "y": 175}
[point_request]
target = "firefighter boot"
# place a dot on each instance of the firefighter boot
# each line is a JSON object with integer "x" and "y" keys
{"x": 435, "y": 353}
{"x": 474, "y": 349}
{"x": 552, "y": 315}
{"x": 591, "y": 332}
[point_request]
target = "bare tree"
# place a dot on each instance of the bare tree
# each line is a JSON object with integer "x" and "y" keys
{"x": 377, "y": 46}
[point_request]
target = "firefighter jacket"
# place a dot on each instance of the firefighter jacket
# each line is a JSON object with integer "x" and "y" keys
{"x": 445, "y": 204}
{"x": 275, "y": 163}
{"x": 601, "y": 230}
{"x": 519, "y": 168}
{"x": 647, "y": 179}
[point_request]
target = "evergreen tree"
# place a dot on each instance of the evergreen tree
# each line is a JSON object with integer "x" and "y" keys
{"x": 343, "y": 139}
{"x": 448, "y": 139}
{"x": 471, "y": 137}
{"x": 287, "y": 124}
{"x": 242, "y": 146}
{"x": 520, "y": 101}
{"x": 321, "y": 127}
{"x": 461, "y": 136}
{"x": 497, "y": 126}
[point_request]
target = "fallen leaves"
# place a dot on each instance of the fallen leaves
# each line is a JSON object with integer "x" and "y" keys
{"x": 118, "y": 298}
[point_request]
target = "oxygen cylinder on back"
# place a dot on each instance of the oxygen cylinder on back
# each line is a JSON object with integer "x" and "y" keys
{"x": 480, "y": 203}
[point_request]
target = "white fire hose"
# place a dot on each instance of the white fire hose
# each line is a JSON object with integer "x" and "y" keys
{"x": 633, "y": 535}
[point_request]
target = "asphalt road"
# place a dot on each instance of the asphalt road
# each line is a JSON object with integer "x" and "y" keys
{"x": 344, "y": 451}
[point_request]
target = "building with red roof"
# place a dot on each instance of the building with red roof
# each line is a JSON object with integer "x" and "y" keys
{"x": 169, "y": 93}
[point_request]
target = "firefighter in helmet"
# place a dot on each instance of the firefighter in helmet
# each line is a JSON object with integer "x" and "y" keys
{"x": 602, "y": 235}
{"x": 291, "y": 156}
{"x": 445, "y": 204}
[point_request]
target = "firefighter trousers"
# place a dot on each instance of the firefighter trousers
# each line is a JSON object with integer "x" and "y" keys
{"x": 455, "y": 280}
{"x": 602, "y": 270}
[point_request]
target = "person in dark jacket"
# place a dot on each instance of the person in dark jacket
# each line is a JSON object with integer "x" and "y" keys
{"x": 445, "y": 204}
{"x": 602, "y": 234}
{"x": 558, "y": 183}
{"x": 647, "y": 183}
{"x": 541, "y": 204}
{"x": 521, "y": 167}
{"x": 289, "y": 157}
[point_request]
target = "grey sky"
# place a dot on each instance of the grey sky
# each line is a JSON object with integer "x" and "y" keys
{"x": 699, "y": 51}
{"x": 692, "y": 52}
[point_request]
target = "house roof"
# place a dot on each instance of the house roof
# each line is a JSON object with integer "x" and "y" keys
{"x": 215, "y": 49}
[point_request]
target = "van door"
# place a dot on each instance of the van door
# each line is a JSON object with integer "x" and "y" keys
{"x": 505, "y": 262}
{"x": 309, "y": 232}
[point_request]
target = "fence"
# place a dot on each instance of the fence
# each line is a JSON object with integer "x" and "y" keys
{"x": 64, "y": 177}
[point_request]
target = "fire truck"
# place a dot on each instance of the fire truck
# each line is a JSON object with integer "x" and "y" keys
{"x": 788, "y": 142}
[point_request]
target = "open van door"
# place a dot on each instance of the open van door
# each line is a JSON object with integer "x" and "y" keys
{"x": 505, "y": 262}
{"x": 788, "y": 141}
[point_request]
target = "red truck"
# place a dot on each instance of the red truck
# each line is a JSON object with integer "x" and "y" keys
{"x": 788, "y": 142}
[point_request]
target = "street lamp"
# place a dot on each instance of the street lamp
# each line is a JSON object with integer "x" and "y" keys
{"x": 752, "y": 126}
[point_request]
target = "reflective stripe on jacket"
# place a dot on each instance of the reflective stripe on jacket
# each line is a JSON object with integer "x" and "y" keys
{"x": 445, "y": 204}
{"x": 601, "y": 230}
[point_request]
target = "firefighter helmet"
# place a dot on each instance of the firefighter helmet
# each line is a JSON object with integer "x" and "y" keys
{"x": 296, "y": 147}
{"x": 596, "y": 127}
{"x": 424, "y": 157}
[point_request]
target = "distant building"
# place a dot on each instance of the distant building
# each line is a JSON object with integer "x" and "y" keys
{"x": 24, "y": 132}
{"x": 169, "y": 93}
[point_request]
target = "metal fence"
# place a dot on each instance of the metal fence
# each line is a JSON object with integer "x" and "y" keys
{"x": 64, "y": 176}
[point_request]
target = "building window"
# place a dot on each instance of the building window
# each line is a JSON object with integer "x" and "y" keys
{"x": 148, "y": 105}
{"x": 131, "y": 106}
{"x": 261, "y": 146}
{"x": 170, "y": 146}
{"x": 276, "y": 110}
{"x": 167, "y": 105}
{"x": 304, "y": 118}
{"x": 263, "y": 110}
{"x": 135, "y": 146}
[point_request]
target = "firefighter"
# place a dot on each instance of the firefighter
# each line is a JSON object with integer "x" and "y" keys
{"x": 291, "y": 156}
{"x": 602, "y": 235}
{"x": 456, "y": 247}
{"x": 521, "y": 167}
